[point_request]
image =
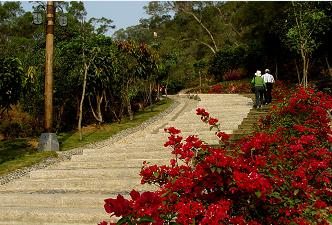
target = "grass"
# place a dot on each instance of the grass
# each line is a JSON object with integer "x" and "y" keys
{"x": 19, "y": 153}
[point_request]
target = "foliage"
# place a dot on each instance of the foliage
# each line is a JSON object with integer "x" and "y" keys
{"x": 11, "y": 85}
{"x": 307, "y": 23}
{"x": 18, "y": 124}
{"x": 236, "y": 74}
{"x": 228, "y": 59}
{"x": 280, "y": 175}
{"x": 228, "y": 87}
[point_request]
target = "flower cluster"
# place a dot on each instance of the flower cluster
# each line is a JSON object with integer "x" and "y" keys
{"x": 279, "y": 175}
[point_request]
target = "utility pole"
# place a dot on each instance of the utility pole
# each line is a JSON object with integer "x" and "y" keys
{"x": 48, "y": 140}
{"x": 50, "y": 12}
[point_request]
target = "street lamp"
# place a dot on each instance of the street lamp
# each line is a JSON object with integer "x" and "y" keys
{"x": 48, "y": 140}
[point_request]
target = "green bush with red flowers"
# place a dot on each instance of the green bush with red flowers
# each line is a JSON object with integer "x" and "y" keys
{"x": 279, "y": 175}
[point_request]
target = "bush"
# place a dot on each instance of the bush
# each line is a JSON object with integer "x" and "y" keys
{"x": 18, "y": 124}
{"x": 175, "y": 86}
{"x": 11, "y": 76}
{"x": 280, "y": 175}
{"x": 236, "y": 74}
{"x": 230, "y": 87}
{"x": 228, "y": 59}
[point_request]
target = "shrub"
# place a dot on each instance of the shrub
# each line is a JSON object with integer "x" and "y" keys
{"x": 16, "y": 123}
{"x": 230, "y": 87}
{"x": 236, "y": 74}
{"x": 227, "y": 59}
{"x": 280, "y": 175}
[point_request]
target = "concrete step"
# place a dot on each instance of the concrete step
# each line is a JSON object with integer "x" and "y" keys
{"x": 192, "y": 129}
{"x": 108, "y": 173}
{"x": 196, "y": 121}
{"x": 40, "y": 215}
{"x": 130, "y": 148}
{"x": 140, "y": 143}
{"x": 53, "y": 200}
{"x": 73, "y": 185}
{"x": 218, "y": 111}
{"x": 110, "y": 164}
{"x": 41, "y": 223}
{"x": 164, "y": 136}
{"x": 122, "y": 156}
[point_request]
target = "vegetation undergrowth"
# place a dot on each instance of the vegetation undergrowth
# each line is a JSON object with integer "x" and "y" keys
{"x": 279, "y": 175}
{"x": 19, "y": 153}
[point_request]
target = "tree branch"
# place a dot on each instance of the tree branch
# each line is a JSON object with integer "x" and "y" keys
{"x": 202, "y": 25}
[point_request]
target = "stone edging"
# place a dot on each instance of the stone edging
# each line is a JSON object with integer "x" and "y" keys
{"x": 66, "y": 155}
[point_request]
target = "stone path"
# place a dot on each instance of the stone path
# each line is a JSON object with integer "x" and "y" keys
{"x": 72, "y": 192}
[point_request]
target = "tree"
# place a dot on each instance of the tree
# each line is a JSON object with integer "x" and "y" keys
{"x": 11, "y": 76}
{"x": 305, "y": 25}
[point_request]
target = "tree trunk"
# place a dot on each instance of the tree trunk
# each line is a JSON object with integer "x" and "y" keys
{"x": 86, "y": 67}
{"x": 328, "y": 66}
{"x": 60, "y": 114}
{"x": 158, "y": 91}
{"x": 129, "y": 110}
{"x": 200, "y": 82}
{"x": 276, "y": 71}
{"x": 297, "y": 71}
{"x": 150, "y": 94}
{"x": 97, "y": 114}
{"x": 305, "y": 70}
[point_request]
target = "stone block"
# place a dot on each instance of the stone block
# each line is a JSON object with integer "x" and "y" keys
{"x": 48, "y": 142}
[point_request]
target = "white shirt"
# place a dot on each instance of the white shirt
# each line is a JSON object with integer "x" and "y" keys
{"x": 268, "y": 78}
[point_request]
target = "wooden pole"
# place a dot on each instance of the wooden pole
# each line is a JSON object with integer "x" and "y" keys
{"x": 50, "y": 11}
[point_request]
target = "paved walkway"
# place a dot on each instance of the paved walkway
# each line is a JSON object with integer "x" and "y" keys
{"x": 72, "y": 192}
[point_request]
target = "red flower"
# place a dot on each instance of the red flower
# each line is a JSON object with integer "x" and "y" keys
{"x": 213, "y": 121}
{"x": 119, "y": 206}
{"x": 103, "y": 223}
{"x": 134, "y": 195}
{"x": 320, "y": 204}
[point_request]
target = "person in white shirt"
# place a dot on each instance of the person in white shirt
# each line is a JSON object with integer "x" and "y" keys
{"x": 269, "y": 80}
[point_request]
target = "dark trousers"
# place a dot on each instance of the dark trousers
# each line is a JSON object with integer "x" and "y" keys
{"x": 268, "y": 93}
{"x": 259, "y": 93}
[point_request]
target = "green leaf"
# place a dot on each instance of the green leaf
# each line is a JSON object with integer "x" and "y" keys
{"x": 155, "y": 174}
{"x": 123, "y": 220}
{"x": 296, "y": 191}
{"x": 330, "y": 218}
{"x": 275, "y": 194}
{"x": 145, "y": 219}
{"x": 176, "y": 193}
{"x": 213, "y": 169}
{"x": 258, "y": 194}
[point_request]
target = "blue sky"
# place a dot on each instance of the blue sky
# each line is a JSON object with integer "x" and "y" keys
{"x": 123, "y": 13}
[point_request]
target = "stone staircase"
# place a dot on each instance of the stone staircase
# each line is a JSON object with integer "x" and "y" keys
{"x": 72, "y": 192}
{"x": 248, "y": 124}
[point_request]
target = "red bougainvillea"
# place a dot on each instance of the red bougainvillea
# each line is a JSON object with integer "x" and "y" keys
{"x": 279, "y": 175}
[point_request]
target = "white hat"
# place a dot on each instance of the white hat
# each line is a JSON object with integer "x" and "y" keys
{"x": 267, "y": 71}
{"x": 258, "y": 73}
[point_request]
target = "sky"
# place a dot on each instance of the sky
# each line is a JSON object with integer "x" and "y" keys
{"x": 123, "y": 13}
